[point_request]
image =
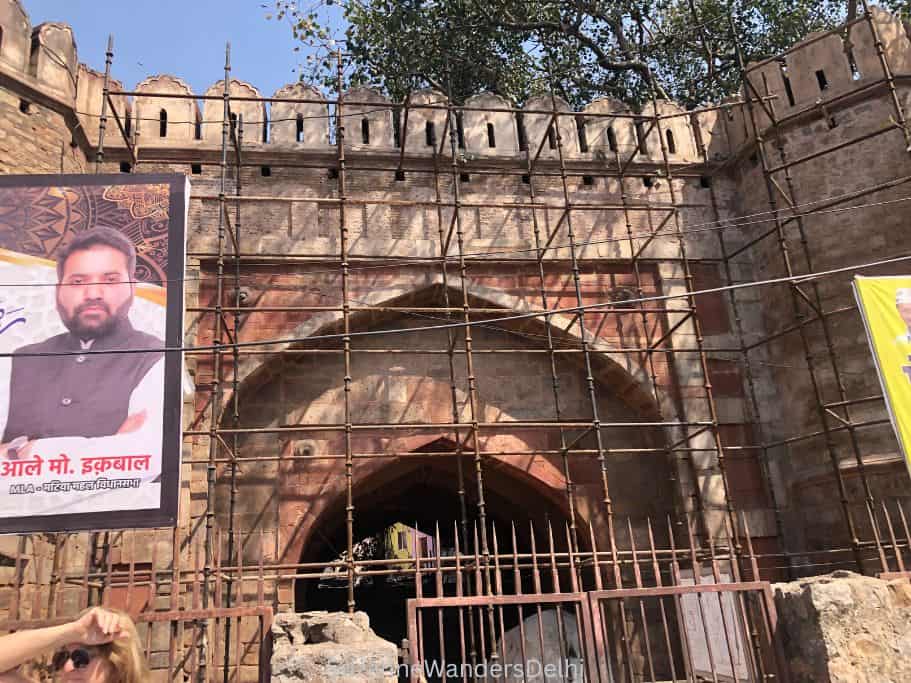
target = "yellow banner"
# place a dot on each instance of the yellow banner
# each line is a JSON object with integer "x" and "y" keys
{"x": 885, "y": 304}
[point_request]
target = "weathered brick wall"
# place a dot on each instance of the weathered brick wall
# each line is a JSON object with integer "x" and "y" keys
{"x": 34, "y": 138}
{"x": 866, "y": 229}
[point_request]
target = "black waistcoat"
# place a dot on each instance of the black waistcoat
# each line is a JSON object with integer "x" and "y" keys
{"x": 77, "y": 395}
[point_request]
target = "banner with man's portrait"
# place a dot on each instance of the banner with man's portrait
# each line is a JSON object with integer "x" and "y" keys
{"x": 885, "y": 304}
{"x": 91, "y": 301}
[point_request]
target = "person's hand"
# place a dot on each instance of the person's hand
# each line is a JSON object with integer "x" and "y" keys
{"x": 133, "y": 422}
{"x": 97, "y": 627}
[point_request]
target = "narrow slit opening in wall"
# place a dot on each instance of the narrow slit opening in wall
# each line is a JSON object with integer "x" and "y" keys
{"x": 197, "y": 129}
{"x": 521, "y": 132}
{"x": 491, "y": 136}
{"x": 788, "y": 91}
{"x": 128, "y": 123}
{"x": 397, "y": 127}
{"x": 821, "y": 80}
{"x": 25, "y": 106}
{"x": 196, "y": 169}
{"x": 365, "y": 131}
{"x": 265, "y": 135}
{"x": 233, "y": 130}
{"x": 126, "y": 167}
{"x": 430, "y": 134}
{"x": 1, "y": 37}
{"x": 583, "y": 136}
{"x": 460, "y": 130}
{"x": 163, "y": 124}
{"x": 551, "y": 137}
{"x": 611, "y": 139}
{"x": 299, "y": 131}
{"x": 671, "y": 143}
{"x": 641, "y": 138}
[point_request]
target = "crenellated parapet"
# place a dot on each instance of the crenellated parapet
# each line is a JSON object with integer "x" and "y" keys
{"x": 819, "y": 69}
{"x": 809, "y": 76}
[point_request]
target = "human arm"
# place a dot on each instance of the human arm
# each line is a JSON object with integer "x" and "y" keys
{"x": 140, "y": 432}
{"x": 95, "y": 627}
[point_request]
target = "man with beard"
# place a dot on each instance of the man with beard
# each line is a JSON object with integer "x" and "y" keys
{"x": 62, "y": 388}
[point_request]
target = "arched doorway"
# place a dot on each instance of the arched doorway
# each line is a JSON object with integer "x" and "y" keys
{"x": 416, "y": 499}
{"x": 403, "y": 467}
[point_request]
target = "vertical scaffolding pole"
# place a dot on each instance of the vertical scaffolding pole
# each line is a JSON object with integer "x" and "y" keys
{"x": 346, "y": 325}
{"x": 450, "y": 346}
{"x": 552, "y": 356}
{"x": 580, "y": 319}
{"x": 103, "y": 120}
{"x": 473, "y": 405}
{"x": 753, "y": 411}
{"x": 217, "y": 343}
{"x": 235, "y": 398}
{"x": 635, "y": 254}
{"x": 96, "y": 560}
{"x": 708, "y": 394}
{"x": 462, "y": 529}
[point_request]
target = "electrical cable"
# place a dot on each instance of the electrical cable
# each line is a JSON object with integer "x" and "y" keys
{"x": 604, "y": 305}
{"x": 709, "y": 226}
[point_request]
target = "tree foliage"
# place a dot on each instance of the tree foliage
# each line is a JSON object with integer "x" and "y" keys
{"x": 628, "y": 49}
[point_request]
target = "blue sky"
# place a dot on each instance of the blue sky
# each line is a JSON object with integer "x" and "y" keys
{"x": 185, "y": 38}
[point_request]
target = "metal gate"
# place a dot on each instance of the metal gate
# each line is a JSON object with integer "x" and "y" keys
{"x": 704, "y": 632}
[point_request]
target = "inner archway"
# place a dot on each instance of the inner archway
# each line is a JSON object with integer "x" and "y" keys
{"x": 416, "y": 495}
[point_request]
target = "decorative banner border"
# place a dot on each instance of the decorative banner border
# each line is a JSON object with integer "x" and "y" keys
{"x": 881, "y": 301}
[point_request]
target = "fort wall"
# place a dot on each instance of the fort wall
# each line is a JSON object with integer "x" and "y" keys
{"x": 49, "y": 112}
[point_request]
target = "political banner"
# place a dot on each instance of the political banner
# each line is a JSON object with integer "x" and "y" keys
{"x": 91, "y": 300}
{"x": 885, "y": 304}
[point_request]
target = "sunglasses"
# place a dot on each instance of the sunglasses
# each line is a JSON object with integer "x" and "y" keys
{"x": 81, "y": 657}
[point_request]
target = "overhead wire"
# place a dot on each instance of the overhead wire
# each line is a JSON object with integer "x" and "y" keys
{"x": 705, "y": 227}
{"x": 603, "y": 305}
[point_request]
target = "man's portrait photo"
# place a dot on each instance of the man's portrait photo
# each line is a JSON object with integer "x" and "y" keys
{"x": 89, "y": 399}
{"x": 93, "y": 395}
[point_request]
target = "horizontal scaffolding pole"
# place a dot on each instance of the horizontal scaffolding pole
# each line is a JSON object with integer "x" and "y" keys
{"x": 436, "y": 426}
{"x": 459, "y": 352}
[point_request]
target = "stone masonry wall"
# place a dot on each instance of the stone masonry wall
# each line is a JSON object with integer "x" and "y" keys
{"x": 845, "y": 628}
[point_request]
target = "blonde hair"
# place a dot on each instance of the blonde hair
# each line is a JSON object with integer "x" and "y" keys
{"x": 124, "y": 655}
